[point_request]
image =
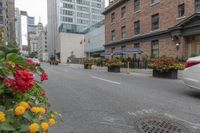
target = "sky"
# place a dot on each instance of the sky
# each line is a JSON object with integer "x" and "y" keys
{"x": 36, "y": 8}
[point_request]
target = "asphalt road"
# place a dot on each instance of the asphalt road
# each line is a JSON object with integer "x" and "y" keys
{"x": 99, "y": 102}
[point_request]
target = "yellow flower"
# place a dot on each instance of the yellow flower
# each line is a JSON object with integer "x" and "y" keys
{"x": 19, "y": 110}
{"x": 44, "y": 126}
{"x": 40, "y": 117}
{"x": 24, "y": 104}
{"x": 35, "y": 110}
{"x": 38, "y": 110}
{"x": 52, "y": 122}
{"x": 42, "y": 110}
{"x": 2, "y": 117}
{"x": 33, "y": 128}
{"x": 52, "y": 116}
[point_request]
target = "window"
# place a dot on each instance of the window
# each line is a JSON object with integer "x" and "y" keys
{"x": 112, "y": 17}
{"x": 181, "y": 10}
{"x": 197, "y": 5}
{"x": 155, "y": 1}
{"x": 123, "y": 48}
{"x": 1, "y": 19}
{"x": 136, "y": 45}
{"x": 123, "y": 12}
{"x": 155, "y": 22}
{"x": 155, "y": 48}
{"x": 66, "y": 12}
{"x": 112, "y": 49}
{"x": 123, "y": 32}
{"x": 136, "y": 5}
{"x": 69, "y": 6}
{"x": 137, "y": 27}
{"x": 113, "y": 35}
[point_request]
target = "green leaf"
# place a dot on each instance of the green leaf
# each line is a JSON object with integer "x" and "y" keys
{"x": 27, "y": 116}
{"x": 1, "y": 88}
{"x": 24, "y": 128}
{"x": 17, "y": 59}
{"x": 7, "y": 127}
{"x": 2, "y": 108}
{"x": 2, "y": 55}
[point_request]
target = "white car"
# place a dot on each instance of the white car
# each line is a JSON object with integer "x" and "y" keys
{"x": 191, "y": 74}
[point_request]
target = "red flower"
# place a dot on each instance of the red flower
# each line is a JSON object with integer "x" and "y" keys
{"x": 43, "y": 76}
{"x": 43, "y": 94}
{"x": 8, "y": 82}
{"x": 17, "y": 66}
{"x": 24, "y": 80}
{"x": 30, "y": 62}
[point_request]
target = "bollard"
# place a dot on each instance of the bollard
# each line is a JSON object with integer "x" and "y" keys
{"x": 128, "y": 70}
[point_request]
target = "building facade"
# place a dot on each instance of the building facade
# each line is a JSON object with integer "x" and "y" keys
{"x": 78, "y": 15}
{"x": 42, "y": 43}
{"x": 70, "y": 47}
{"x": 33, "y": 42}
{"x": 31, "y": 24}
{"x": 18, "y": 26}
{"x": 52, "y": 27}
{"x": 94, "y": 40}
{"x": 157, "y": 27}
{"x": 70, "y": 17}
{"x": 7, "y": 20}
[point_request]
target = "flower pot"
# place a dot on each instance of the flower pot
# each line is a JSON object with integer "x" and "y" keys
{"x": 171, "y": 74}
{"x": 115, "y": 69}
{"x": 87, "y": 66}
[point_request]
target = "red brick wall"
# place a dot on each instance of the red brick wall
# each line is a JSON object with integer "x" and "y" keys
{"x": 167, "y": 9}
{"x": 166, "y": 47}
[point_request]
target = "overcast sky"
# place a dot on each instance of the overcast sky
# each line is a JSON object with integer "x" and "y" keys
{"x": 36, "y": 8}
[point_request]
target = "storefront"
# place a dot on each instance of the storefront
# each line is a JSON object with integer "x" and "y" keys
{"x": 193, "y": 45}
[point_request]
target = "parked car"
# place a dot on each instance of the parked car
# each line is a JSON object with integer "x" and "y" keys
{"x": 191, "y": 74}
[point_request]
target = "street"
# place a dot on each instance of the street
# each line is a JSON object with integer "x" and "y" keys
{"x": 93, "y": 101}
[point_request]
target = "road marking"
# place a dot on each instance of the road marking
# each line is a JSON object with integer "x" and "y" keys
{"x": 110, "y": 81}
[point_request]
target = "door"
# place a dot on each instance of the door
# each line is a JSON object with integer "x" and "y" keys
{"x": 198, "y": 49}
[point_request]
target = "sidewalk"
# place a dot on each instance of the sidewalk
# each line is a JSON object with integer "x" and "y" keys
{"x": 139, "y": 72}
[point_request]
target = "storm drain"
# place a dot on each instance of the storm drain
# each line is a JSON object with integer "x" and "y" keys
{"x": 159, "y": 125}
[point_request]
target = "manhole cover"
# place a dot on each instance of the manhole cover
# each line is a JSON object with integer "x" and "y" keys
{"x": 160, "y": 125}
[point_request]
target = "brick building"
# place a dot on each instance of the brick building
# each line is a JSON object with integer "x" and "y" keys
{"x": 157, "y": 27}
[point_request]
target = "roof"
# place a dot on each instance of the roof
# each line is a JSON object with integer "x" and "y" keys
{"x": 187, "y": 21}
{"x": 114, "y": 5}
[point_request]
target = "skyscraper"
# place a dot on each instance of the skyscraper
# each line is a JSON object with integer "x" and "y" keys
{"x": 18, "y": 26}
{"x": 70, "y": 16}
{"x": 78, "y": 15}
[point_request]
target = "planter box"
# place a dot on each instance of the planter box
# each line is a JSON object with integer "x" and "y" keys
{"x": 115, "y": 69}
{"x": 86, "y": 66}
{"x": 172, "y": 74}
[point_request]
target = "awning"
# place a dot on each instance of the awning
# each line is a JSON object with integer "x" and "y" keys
{"x": 119, "y": 52}
{"x": 134, "y": 51}
{"x": 106, "y": 53}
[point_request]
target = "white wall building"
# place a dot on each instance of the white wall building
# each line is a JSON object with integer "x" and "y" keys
{"x": 42, "y": 43}
{"x": 70, "y": 17}
{"x": 33, "y": 42}
{"x": 70, "y": 45}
